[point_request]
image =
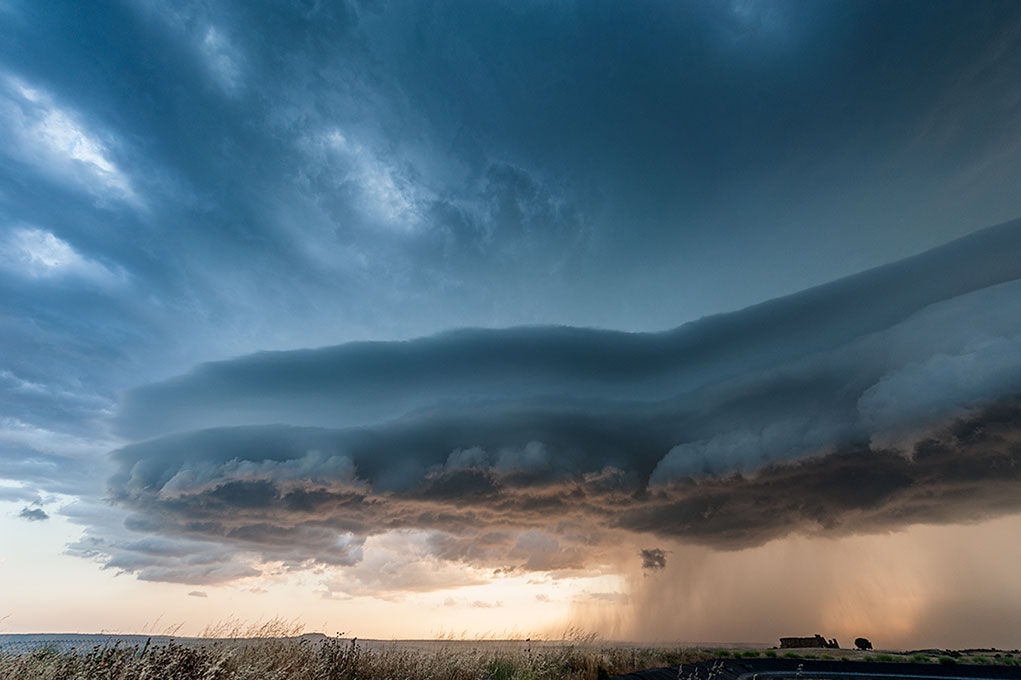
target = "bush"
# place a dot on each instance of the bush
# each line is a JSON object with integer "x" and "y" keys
{"x": 885, "y": 657}
{"x": 792, "y": 655}
{"x": 771, "y": 653}
{"x": 862, "y": 643}
{"x": 947, "y": 660}
{"x": 722, "y": 652}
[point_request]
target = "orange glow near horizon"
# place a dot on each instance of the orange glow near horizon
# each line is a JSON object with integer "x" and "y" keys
{"x": 926, "y": 586}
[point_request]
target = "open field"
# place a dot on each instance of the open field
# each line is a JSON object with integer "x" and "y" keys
{"x": 316, "y": 657}
{"x": 341, "y": 659}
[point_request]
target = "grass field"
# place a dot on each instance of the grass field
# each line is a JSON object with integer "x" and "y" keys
{"x": 340, "y": 659}
{"x": 240, "y": 656}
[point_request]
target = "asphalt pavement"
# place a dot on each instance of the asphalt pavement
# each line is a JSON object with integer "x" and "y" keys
{"x": 813, "y": 669}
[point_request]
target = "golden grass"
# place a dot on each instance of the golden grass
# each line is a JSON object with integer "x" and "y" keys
{"x": 340, "y": 659}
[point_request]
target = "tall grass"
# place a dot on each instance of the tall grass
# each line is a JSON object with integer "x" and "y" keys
{"x": 340, "y": 659}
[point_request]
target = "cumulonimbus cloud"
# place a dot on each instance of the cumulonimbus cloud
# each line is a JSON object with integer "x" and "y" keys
{"x": 887, "y": 398}
{"x": 373, "y": 382}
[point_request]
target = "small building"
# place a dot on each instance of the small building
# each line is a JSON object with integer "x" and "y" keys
{"x": 802, "y": 642}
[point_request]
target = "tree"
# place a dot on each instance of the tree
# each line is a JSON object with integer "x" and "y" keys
{"x": 862, "y": 643}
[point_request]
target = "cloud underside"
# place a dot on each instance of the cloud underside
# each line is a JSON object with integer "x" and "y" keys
{"x": 839, "y": 410}
{"x": 478, "y": 515}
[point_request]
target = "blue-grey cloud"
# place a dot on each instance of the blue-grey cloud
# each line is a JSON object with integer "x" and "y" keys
{"x": 18, "y": 493}
{"x": 33, "y": 514}
{"x": 183, "y": 184}
{"x": 871, "y": 409}
{"x": 373, "y": 381}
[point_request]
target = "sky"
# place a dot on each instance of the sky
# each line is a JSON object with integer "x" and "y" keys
{"x": 665, "y": 321}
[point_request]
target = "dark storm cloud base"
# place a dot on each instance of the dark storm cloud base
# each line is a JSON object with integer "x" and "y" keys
{"x": 967, "y": 472}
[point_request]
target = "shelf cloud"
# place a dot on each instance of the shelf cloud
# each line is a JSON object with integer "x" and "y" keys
{"x": 889, "y": 398}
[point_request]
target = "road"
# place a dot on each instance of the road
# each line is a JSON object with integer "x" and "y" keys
{"x": 809, "y": 669}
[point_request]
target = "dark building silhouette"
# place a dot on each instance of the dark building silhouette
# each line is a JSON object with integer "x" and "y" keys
{"x": 817, "y": 641}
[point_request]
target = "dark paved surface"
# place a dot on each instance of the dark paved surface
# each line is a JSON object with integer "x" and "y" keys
{"x": 668, "y": 673}
{"x": 772, "y": 669}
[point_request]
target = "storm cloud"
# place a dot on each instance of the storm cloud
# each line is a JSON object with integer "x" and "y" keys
{"x": 409, "y": 297}
{"x": 370, "y": 382}
{"x": 838, "y": 410}
{"x": 222, "y": 180}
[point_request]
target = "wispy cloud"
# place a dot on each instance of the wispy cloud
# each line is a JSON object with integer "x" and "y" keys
{"x": 386, "y": 195}
{"x": 10, "y": 493}
{"x": 18, "y": 432}
{"x": 50, "y": 137}
{"x": 37, "y": 253}
{"x": 222, "y": 58}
